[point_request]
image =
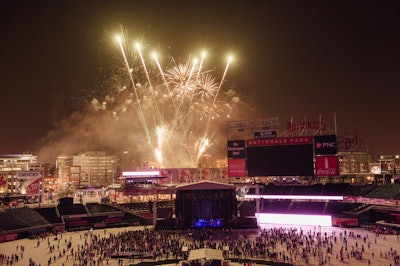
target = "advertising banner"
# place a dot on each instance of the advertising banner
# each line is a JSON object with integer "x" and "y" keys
{"x": 345, "y": 222}
{"x": 171, "y": 174}
{"x": 375, "y": 168}
{"x": 266, "y": 134}
{"x": 3, "y": 184}
{"x": 325, "y": 145}
{"x": 8, "y": 237}
{"x": 28, "y": 182}
{"x": 326, "y": 166}
{"x": 236, "y": 149}
{"x": 210, "y": 174}
{"x": 236, "y": 167}
{"x": 185, "y": 175}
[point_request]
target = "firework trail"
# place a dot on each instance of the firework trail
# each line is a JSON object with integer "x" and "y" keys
{"x": 174, "y": 107}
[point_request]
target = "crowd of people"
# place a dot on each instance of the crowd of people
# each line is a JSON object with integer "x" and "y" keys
{"x": 291, "y": 245}
{"x": 7, "y": 259}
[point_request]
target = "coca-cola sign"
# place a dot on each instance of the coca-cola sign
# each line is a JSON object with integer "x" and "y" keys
{"x": 326, "y": 166}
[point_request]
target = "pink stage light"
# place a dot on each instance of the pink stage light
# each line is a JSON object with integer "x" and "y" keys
{"x": 294, "y": 219}
{"x": 141, "y": 173}
{"x": 296, "y": 197}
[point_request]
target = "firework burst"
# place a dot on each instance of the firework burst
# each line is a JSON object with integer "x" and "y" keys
{"x": 175, "y": 108}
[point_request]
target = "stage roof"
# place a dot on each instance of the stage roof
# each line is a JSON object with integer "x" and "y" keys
{"x": 205, "y": 185}
{"x": 205, "y": 253}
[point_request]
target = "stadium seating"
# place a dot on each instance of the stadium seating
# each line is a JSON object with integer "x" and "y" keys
{"x": 384, "y": 191}
{"x": 315, "y": 190}
{"x": 50, "y": 214}
{"x": 359, "y": 190}
{"x": 332, "y": 189}
{"x": 337, "y": 207}
{"x": 306, "y": 207}
{"x": 8, "y": 222}
{"x": 17, "y": 218}
{"x": 272, "y": 189}
{"x": 71, "y": 209}
{"x": 275, "y": 206}
{"x": 94, "y": 207}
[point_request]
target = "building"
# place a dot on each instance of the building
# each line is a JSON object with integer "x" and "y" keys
{"x": 355, "y": 166}
{"x": 21, "y": 178}
{"x": 18, "y": 162}
{"x": 49, "y": 177}
{"x": 130, "y": 160}
{"x": 90, "y": 168}
{"x": 63, "y": 164}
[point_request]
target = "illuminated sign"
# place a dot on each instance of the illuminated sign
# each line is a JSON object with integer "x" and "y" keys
{"x": 294, "y": 219}
{"x": 3, "y": 184}
{"x": 279, "y": 141}
{"x": 326, "y": 166}
{"x": 294, "y": 197}
{"x": 350, "y": 142}
{"x": 28, "y": 182}
{"x": 141, "y": 173}
{"x": 236, "y": 149}
{"x": 266, "y": 134}
{"x": 325, "y": 145}
{"x": 236, "y": 167}
{"x": 375, "y": 168}
{"x": 314, "y": 125}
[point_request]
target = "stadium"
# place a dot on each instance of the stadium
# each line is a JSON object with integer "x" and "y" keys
{"x": 293, "y": 182}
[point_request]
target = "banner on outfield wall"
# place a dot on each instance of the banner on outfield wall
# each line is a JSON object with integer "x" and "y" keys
{"x": 28, "y": 182}
{"x": 344, "y": 222}
{"x": 236, "y": 167}
{"x": 326, "y": 166}
{"x": 8, "y": 237}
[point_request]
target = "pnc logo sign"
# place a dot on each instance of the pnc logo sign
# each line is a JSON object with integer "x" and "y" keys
{"x": 325, "y": 145}
{"x": 320, "y": 145}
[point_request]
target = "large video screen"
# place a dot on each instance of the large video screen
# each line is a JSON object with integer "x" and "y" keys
{"x": 280, "y": 160}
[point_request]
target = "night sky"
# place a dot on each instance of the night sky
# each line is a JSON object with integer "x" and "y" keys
{"x": 292, "y": 59}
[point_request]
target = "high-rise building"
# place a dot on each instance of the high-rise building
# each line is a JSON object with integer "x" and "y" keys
{"x": 63, "y": 165}
{"x": 90, "y": 168}
{"x": 49, "y": 177}
{"x": 130, "y": 160}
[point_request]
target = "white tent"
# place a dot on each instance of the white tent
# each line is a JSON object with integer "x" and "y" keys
{"x": 205, "y": 253}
